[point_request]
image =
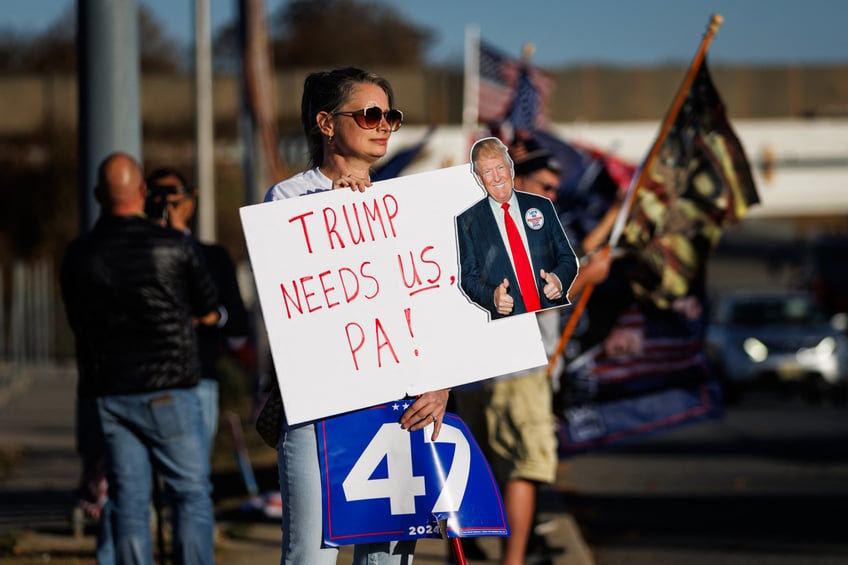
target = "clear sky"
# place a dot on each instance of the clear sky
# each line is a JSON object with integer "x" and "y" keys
{"x": 568, "y": 32}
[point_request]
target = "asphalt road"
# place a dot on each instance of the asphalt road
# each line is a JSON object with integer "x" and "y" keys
{"x": 768, "y": 484}
{"x": 39, "y": 470}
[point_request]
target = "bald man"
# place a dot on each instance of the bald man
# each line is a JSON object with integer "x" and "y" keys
{"x": 120, "y": 186}
{"x": 133, "y": 291}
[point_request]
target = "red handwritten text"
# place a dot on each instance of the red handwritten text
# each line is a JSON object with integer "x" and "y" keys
{"x": 310, "y": 293}
{"x": 356, "y": 341}
{"x": 415, "y": 283}
{"x": 352, "y": 223}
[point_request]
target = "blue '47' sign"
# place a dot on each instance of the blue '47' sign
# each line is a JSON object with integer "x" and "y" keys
{"x": 382, "y": 483}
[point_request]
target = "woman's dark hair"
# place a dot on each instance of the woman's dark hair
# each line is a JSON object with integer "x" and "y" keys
{"x": 327, "y": 91}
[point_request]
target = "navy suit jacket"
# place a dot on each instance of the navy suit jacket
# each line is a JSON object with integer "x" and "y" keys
{"x": 484, "y": 260}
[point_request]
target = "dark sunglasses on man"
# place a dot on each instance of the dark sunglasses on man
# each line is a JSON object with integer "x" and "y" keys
{"x": 370, "y": 117}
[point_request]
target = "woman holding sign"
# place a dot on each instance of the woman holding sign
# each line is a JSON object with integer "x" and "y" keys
{"x": 348, "y": 117}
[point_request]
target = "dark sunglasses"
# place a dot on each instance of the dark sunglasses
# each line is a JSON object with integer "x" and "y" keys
{"x": 547, "y": 187}
{"x": 369, "y": 118}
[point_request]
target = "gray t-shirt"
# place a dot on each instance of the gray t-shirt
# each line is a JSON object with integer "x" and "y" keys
{"x": 307, "y": 182}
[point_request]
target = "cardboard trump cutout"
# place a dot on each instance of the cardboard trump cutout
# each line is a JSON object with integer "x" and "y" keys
{"x": 514, "y": 255}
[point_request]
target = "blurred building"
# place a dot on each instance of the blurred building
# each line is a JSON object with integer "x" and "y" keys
{"x": 434, "y": 96}
{"x": 792, "y": 121}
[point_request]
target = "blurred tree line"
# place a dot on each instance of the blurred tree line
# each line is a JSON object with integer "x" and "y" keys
{"x": 38, "y": 171}
{"x": 54, "y": 49}
{"x": 304, "y": 33}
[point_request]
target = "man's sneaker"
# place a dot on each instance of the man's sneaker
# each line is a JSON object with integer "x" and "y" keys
{"x": 545, "y": 525}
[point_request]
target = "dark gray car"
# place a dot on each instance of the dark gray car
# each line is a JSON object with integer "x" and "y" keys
{"x": 779, "y": 338}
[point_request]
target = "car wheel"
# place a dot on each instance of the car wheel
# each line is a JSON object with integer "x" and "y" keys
{"x": 839, "y": 395}
{"x": 729, "y": 389}
{"x": 730, "y": 393}
{"x": 814, "y": 389}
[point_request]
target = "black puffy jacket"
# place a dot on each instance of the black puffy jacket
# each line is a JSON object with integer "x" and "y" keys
{"x": 130, "y": 290}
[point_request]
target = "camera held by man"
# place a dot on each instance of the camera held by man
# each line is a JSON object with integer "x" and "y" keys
{"x": 156, "y": 202}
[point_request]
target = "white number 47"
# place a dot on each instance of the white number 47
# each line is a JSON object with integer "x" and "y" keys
{"x": 400, "y": 486}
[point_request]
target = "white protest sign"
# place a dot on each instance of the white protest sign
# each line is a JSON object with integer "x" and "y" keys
{"x": 360, "y": 296}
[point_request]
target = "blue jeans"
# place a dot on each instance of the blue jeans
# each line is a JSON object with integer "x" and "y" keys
{"x": 207, "y": 390}
{"x": 300, "y": 487}
{"x": 105, "y": 550}
{"x": 166, "y": 429}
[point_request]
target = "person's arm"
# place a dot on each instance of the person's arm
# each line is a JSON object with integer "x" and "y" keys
{"x": 429, "y": 408}
{"x": 601, "y": 232}
{"x": 594, "y": 268}
{"x": 234, "y": 323}
{"x": 203, "y": 294}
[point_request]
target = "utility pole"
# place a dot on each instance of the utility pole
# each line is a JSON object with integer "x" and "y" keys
{"x": 108, "y": 84}
{"x": 204, "y": 123}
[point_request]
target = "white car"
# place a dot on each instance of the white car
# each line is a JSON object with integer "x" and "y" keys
{"x": 778, "y": 337}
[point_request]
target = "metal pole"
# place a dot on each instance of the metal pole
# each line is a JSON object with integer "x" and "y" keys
{"x": 471, "y": 90}
{"x": 204, "y": 122}
{"x": 3, "y": 332}
{"x": 109, "y": 100}
{"x": 255, "y": 110}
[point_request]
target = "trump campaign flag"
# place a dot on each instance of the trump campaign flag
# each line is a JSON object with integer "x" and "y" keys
{"x": 700, "y": 181}
{"x": 640, "y": 366}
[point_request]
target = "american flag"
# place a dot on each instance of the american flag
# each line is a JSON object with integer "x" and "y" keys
{"x": 508, "y": 93}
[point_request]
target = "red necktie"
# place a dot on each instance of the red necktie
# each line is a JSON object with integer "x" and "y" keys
{"x": 529, "y": 292}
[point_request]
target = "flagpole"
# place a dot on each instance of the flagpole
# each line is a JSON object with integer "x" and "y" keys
{"x": 471, "y": 87}
{"x": 715, "y": 21}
